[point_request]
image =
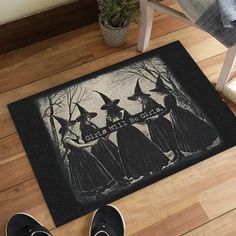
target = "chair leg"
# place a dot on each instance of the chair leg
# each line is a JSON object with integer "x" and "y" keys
{"x": 228, "y": 65}
{"x": 145, "y": 25}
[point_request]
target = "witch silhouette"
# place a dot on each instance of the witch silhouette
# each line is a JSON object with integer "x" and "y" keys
{"x": 104, "y": 150}
{"x": 192, "y": 133}
{"x": 160, "y": 128}
{"x": 141, "y": 157}
{"x": 87, "y": 174}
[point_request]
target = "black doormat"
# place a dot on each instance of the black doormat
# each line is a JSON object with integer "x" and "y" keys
{"x": 105, "y": 135}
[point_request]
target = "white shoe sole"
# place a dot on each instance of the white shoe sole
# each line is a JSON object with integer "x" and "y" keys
{"x": 123, "y": 220}
{"x": 21, "y": 213}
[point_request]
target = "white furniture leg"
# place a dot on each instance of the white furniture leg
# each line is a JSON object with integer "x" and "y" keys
{"x": 147, "y": 8}
{"x": 226, "y": 69}
{"x": 145, "y": 25}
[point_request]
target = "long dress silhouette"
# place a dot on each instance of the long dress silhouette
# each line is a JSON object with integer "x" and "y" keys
{"x": 192, "y": 133}
{"x": 161, "y": 131}
{"x": 105, "y": 151}
{"x": 86, "y": 172}
{"x": 139, "y": 154}
{"x": 160, "y": 128}
{"x": 88, "y": 176}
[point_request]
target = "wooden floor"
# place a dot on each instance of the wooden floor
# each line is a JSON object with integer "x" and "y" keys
{"x": 200, "y": 200}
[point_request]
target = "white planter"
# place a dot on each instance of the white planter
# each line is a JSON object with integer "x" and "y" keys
{"x": 114, "y": 37}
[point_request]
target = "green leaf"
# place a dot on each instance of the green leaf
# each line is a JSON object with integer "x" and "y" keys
{"x": 118, "y": 13}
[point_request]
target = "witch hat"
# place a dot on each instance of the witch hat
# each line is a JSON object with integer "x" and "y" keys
{"x": 108, "y": 102}
{"x": 63, "y": 122}
{"x": 84, "y": 112}
{"x": 138, "y": 92}
{"x": 160, "y": 86}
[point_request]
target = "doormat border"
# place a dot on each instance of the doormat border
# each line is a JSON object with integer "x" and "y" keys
{"x": 37, "y": 142}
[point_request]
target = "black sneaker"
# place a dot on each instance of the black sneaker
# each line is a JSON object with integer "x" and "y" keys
{"x": 107, "y": 221}
{"x": 22, "y": 224}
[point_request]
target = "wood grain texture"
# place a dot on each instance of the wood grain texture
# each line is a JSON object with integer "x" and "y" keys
{"x": 15, "y": 172}
{"x": 224, "y": 225}
{"x": 58, "y": 55}
{"x": 178, "y": 223}
{"x": 25, "y": 197}
{"x": 11, "y": 148}
{"x": 188, "y": 36}
{"x": 200, "y": 200}
{"x": 222, "y": 195}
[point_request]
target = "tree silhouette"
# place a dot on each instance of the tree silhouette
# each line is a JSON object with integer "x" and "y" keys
{"x": 54, "y": 103}
{"x": 75, "y": 94}
{"x": 153, "y": 69}
{"x": 63, "y": 99}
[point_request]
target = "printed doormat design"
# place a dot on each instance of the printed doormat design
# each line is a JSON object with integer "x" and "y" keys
{"x": 105, "y": 135}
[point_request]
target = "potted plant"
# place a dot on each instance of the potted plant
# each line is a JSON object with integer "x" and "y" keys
{"x": 114, "y": 19}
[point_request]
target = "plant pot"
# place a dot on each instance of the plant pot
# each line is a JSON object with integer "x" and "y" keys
{"x": 114, "y": 37}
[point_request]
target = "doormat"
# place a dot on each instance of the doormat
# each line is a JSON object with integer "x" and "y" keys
{"x": 100, "y": 137}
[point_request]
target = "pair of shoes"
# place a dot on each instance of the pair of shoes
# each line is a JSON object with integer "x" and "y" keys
{"x": 106, "y": 221}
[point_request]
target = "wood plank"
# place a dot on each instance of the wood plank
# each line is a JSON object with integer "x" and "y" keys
{"x": 14, "y": 164}
{"x": 11, "y": 149}
{"x": 168, "y": 197}
{"x": 25, "y": 197}
{"x": 212, "y": 67}
{"x": 55, "y": 55}
{"x": 190, "y": 37}
{"x": 58, "y": 43}
{"x": 77, "y": 227}
{"x": 223, "y": 196}
{"x": 15, "y": 172}
{"x": 176, "y": 224}
{"x": 222, "y": 226}
{"x": 46, "y": 24}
